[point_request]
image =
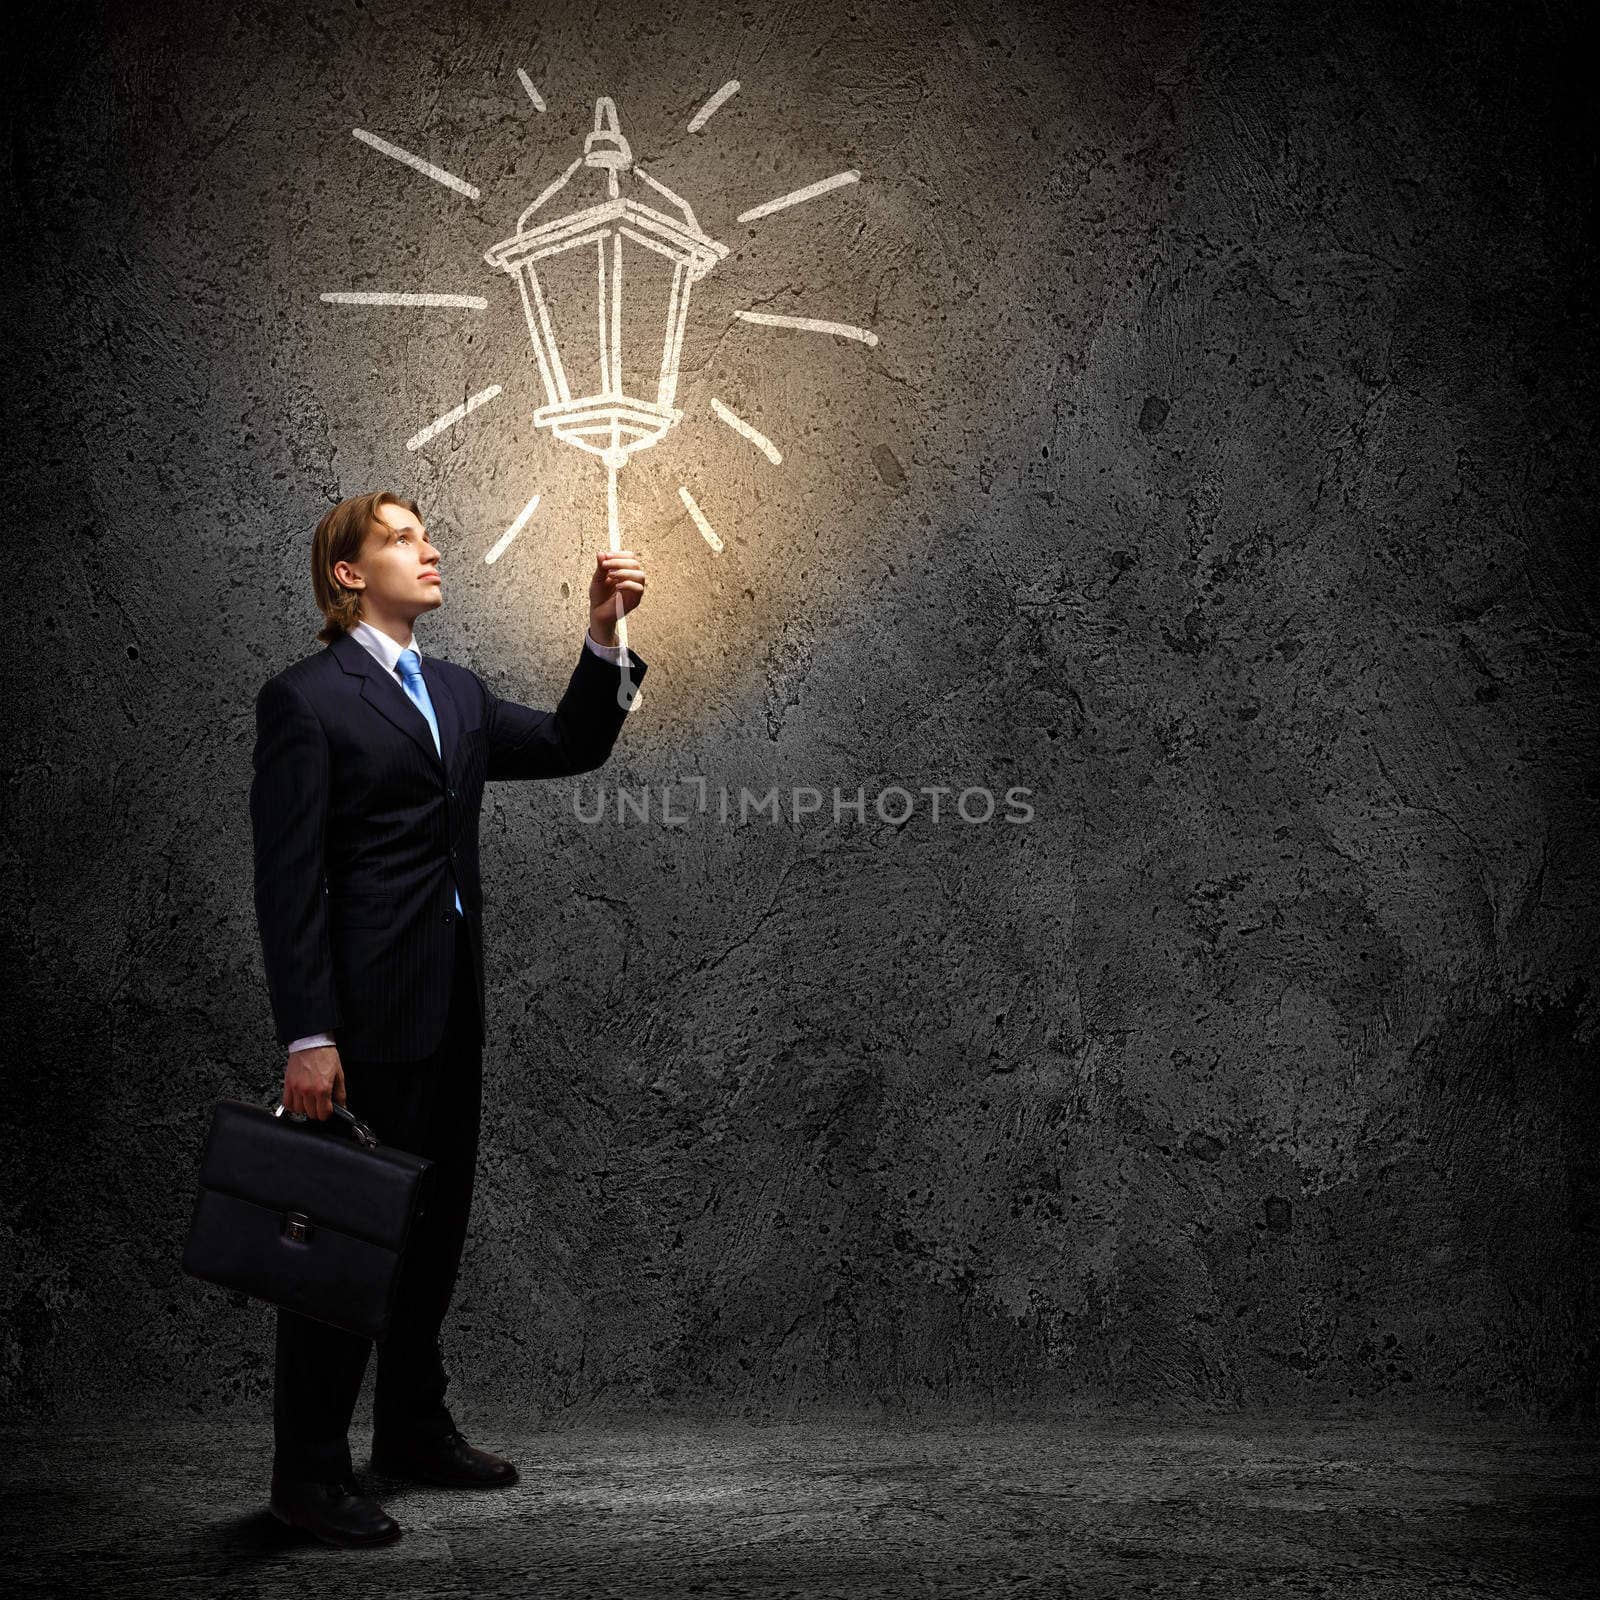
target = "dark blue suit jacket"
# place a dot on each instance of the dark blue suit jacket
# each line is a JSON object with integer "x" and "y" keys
{"x": 364, "y": 834}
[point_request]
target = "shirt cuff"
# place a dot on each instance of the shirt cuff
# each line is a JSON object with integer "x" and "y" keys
{"x": 310, "y": 1042}
{"x": 606, "y": 652}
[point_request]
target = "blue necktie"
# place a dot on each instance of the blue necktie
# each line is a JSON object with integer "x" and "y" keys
{"x": 410, "y": 664}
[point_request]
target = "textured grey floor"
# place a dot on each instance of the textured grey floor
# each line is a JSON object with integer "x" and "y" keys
{"x": 1228, "y": 1508}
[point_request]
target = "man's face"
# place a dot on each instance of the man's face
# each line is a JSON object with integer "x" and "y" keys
{"x": 398, "y": 573}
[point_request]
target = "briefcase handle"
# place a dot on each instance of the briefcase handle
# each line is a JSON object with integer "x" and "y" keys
{"x": 362, "y": 1133}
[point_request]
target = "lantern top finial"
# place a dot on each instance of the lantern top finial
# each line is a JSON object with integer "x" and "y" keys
{"x": 647, "y": 206}
{"x": 606, "y": 147}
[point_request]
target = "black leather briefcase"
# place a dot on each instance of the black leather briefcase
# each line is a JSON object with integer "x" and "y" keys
{"x": 309, "y": 1215}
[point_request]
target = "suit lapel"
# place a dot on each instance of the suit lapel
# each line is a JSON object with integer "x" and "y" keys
{"x": 444, "y": 710}
{"x": 385, "y": 696}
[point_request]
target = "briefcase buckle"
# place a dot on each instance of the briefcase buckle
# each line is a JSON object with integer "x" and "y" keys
{"x": 296, "y": 1225}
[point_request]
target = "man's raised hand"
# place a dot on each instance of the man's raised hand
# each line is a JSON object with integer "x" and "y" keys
{"x": 618, "y": 576}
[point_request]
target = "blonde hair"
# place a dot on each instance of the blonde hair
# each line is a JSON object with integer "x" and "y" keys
{"x": 339, "y": 537}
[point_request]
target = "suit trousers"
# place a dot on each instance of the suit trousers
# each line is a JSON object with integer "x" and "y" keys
{"x": 430, "y": 1107}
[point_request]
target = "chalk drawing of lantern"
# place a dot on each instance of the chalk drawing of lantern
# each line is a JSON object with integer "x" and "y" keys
{"x": 616, "y": 226}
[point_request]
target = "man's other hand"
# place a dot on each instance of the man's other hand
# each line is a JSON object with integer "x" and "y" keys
{"x": 313, "y": 1080}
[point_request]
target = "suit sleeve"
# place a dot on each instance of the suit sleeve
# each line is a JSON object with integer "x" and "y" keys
{"x": 576, "y": 737}
{"x": 288, "y": 824}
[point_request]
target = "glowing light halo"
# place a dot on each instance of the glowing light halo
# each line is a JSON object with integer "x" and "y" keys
{"x": 608, "y": 422}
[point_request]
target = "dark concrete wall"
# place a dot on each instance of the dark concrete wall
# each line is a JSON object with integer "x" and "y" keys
{"x": 1225, "y": 475}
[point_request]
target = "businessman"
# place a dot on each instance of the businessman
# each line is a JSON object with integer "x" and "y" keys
{"x": 369, "y": 767}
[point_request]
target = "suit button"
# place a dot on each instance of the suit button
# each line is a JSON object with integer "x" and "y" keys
{"x": 452, "y": 794}
{"x": 445, "y": 917}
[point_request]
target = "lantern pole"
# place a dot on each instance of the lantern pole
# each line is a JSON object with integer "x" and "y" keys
{"x": 628, "y": 692}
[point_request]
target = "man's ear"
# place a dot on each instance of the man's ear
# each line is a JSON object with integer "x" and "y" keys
{"x": 347, "y": 576}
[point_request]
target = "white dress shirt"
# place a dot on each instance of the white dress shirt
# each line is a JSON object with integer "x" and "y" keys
{"x": 386, "y": 652}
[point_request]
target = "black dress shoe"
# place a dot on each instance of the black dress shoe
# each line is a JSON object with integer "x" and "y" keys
{"x": 448, "y": 1460}
{"x": 334, "y": 1512}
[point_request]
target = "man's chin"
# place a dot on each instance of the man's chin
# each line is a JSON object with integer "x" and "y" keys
{"x": 432, "y": 603}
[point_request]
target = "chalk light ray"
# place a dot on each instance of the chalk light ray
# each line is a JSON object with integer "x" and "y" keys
{"x": 498, "y": 549}
{"x": 452, "y": 417}
{"x": 364, "y": 297}
{"x": 533, "y": 94}
{"x": 713, "y": 105}
{"x": 416, "y": 163}
{"x": 739, "y": 425}
{"x": 707, "y": 532}
{"x": 800, "y": 196}
{"x": 844, "y": 330}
